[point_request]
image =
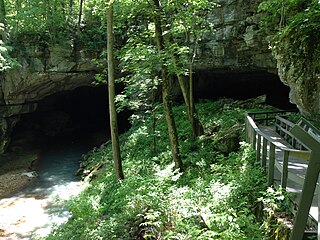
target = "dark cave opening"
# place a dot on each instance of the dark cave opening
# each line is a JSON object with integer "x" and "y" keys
{"x": 76, "y": 116}
{"x": 242, "y": 85}
{"x": 82, "y": 114}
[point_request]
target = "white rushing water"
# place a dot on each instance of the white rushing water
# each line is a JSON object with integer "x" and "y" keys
{"x": 34, "y": 211}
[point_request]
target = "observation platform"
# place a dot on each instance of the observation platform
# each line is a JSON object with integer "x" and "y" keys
{"x": 288, "y": 152}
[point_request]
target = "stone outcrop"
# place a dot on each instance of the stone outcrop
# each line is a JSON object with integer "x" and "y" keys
{"x": 296, "y": 48}
{"x": 235, "y": 43}
{"x": 43, "y": 71}
{"x": 304, "y": 83}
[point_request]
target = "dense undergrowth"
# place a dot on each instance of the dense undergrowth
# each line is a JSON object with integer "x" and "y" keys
{"x": 218, "y": 196}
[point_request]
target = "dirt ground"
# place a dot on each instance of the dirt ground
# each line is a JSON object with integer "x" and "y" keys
{"x": 12, "y": 169}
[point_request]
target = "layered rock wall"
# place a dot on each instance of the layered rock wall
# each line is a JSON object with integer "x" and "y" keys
{"x": 304, "y": 85}
{"x": 43, "y": 71}
{"x": 236, "y": 42}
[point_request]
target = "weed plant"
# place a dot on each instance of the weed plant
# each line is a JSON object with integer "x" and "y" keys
{"x": 216, "y": 197}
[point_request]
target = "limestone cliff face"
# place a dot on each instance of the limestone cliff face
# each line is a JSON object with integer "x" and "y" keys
{"x": 304, "y": 86}
{"x": 43, "y": 71}
{"x": 236, "y": 42}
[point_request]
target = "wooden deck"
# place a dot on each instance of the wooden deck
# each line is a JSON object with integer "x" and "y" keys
{"x": 297, "y": 168}
{"x": 289, "y": 154}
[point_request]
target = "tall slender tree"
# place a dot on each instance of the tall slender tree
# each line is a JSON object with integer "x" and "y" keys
{"x": 3, "y": 21}
{"x": 188, "y": 21}
{"x": 172, "y": 129}
{"x": 111, "y": 91}
{"x": 80, "y": 15}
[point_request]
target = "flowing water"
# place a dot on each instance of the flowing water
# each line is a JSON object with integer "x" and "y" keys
{"x": 35, "y": 210}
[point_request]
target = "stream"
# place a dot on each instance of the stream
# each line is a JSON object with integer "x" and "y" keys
{"x": 32, "y": 212}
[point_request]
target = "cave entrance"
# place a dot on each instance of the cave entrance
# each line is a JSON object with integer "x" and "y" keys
{"x": 64, "y": 126}
{"x": 76, "y": 116}
{"x": 241, "y": 86}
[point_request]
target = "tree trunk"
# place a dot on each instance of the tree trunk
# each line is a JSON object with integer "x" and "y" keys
{"x": 111, "y": 90}
{"x": 49, "y": 16}
{"x": 197, "y": 127}
{"x": 187, "y": 92}
{"x": 172, "y": 129}
{"x": 282, "y": 16}
{"x": 154, "y": 120}
{"x": 3, "y": 21}
{"x": 80, "y": 15}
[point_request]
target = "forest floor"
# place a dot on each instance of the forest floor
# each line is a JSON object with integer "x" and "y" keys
{"x": 222, "y": 193}
{"x": 14, "y": 166}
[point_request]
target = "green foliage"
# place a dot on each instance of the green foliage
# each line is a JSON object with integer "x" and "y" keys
{"x": 6, "y": 61}
{"x": 215, "y": 198}
{"x": 300, "y": 36}
{"x": 293, "y": 117}
{"x": 47, "y": 22}
{"x": 3, "y": 57}
{"x": 184, "y": 23}
{"x": 139, "y": 61}
{"x": 56, "y": 21}
{"x": 276, "y": 209}
{"x": 93, "y": 26}
{"x": 42, "y": 18}
{"x": 294, "y": 26}
{"x": 275, "y": 201}
{"x": 188, "y": 24}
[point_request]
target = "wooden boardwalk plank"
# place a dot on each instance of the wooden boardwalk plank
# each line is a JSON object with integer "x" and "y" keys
{"x": 297, "y": 168}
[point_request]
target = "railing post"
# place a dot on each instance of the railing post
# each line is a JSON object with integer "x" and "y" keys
{"x": 258, "y": 147}
{"x": 254, "y": 139}
{"x": 266, "y": 120}
{"x": 264, "y": 154}
{"x": 247, "y": 130}
{"x": 272, "y": 157}
{"x": 284, "y": 177}
{"x": 250, "y": 133}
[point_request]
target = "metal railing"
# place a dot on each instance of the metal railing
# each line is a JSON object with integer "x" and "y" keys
{"x": 283, "y": 128}
{"x": 260, "y": 142}
{"x": 268, "y": 117}
{"x": 303, "y": 143}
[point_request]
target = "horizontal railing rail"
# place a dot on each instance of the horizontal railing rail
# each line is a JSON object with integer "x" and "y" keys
{"x": 268, "y": 117}
{"x": 261, "y": 141}
{"x": 310, "y": 128}
{"x": 283, "y": 127}
{"x": 270, "y": 148}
